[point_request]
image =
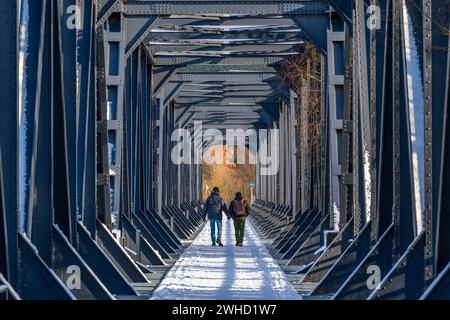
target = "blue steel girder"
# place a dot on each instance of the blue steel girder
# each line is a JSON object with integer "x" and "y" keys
{"x": 90, "y": 287}
{"x": 344, "y": 9}
{"x": 114, "y": 44}
{"x": 160, "y": 77}
{"x": 221, "y": 91}
{"x": 4, "y": 262}
{"x": 106, "y": 8}
{"x": 221, "y": 8}
{"x": 7, "y": 289}
{"x": 233, "y": 100}
{"x": 182, "y": 113}
{"x": 102, "y": 159}
{"x": 8, "y": 139}
{"x": 182, "y": 38}
{"x": 436, "y": 55}
{"x": 30, "y": 287}
{"x": 175, "y": 14}
{"x": 62, "y": 127}
{"x": 86, "y": 161}
{"x": 439, "y": 289}
{"x": 227, "y": 76}
{"x": 189, "y": 112}
{"x": 238, "y": 85}
{"x": 39, "y": 212}
{"x": 173, "y": 90}
{"x": 225, "y": 50}
{"x": 335, "y": 40}
{"x": 231, "y": 87}
{"x": 364, "y": 114}
{"x": 101, "y": 264}
{"x": 64, "y": 130}
{"x": 315, "y": 29}
{"x": 221, "y": 94}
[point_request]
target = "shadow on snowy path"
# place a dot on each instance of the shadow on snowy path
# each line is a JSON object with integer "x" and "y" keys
{"x": 229, "y": 272}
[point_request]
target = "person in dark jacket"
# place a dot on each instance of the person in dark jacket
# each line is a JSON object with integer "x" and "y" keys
{"x": 214, "y": 206}
{"x": 239, "y": 211}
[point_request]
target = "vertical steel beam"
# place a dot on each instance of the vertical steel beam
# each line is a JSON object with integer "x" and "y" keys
{"x": 4, "y": 262}
{"x": 68, "y": 33}
{"x": 86, "y": 162}
{"x": 281, "y": 175}
{"x": 63, "y": 122}
{"x": 325, "y": 181}
{"x": 160, "y": 146}
{"x": 436, "y": 46}
{"x": 365, "y": 137}
{"x": 443, "y": 213}
{"x": 102, "y": 170}
{"x": 348, "y": 174}
{"x": 427, "y": 26}
{"x": 39, "y": 210}
{"x": 274, "y": 181}
{"x": 377, "y": 47}
{"x": 385, "y": 125}
{"x": 293, "y": 151}
{"x": 114, "y": 42}
{"x": 130, "y": 135}
{"x": 148, "y": 136}
{"x": 335, "y": 40}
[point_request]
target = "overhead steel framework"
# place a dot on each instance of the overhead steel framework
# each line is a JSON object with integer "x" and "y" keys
{"x": 91, "y": 92}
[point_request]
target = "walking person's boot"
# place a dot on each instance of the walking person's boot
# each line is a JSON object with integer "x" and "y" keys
{"x": 219, "y": 242}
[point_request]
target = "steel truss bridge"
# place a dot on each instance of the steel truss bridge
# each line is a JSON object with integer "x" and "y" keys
{"x": 92, "y": 91}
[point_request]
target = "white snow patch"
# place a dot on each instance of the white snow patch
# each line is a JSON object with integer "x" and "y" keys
{"x": 416, "y": 116}
{"x": 23, "y": 52}
{"x": 229, "y": 272}
{"x": 109, "y": 110}
{"x": 115, "y": 225}
{"x": 367, "y": 181}
{"x": 337, "y": 216}
{"x": 111, "y": 151}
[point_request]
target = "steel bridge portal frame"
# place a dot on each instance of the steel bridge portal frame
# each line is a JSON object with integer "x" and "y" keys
{"x": 85, "y": 152}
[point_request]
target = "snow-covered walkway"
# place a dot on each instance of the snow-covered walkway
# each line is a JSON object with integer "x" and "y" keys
{"x": 229, "y": 272}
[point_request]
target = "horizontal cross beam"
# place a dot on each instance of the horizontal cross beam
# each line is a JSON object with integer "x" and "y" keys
{"x": 237, "y": 100}
{"x": 221, "y": 53}
{"x": 248, "y": 7}
{"x": 226, "y": 76}
{"x": 172, "y": 60}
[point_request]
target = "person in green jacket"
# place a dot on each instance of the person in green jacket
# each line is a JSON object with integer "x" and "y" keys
{"x": 239, "y": 211}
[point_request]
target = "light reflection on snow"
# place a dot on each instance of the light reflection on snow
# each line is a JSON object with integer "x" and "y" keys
{"x": 229, "y": 272}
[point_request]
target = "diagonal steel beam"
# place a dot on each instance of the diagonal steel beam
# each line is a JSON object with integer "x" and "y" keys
{"x": 137, "y": 29}
{"x": 173, "y": 90}
{"x": 161, "y": 76}
{"x": 106, "y": 8}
